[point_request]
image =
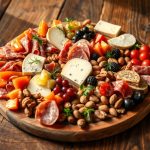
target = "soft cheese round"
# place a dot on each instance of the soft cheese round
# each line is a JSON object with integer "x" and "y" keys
{"x": 123, "y": 41}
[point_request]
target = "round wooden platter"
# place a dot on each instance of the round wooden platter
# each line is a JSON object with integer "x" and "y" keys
{"x": 72, "y": 133}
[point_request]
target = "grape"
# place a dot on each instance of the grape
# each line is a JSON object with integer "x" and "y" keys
{"x": 64, "y": 89}
{"x": 70, "y": 92}
{"x": 60, "y": 94}
{"x": 65, "y": 83}
{"x": 59, "y": 80}
{"x": 56, "y": 89}
{"x": 66, "y": 97}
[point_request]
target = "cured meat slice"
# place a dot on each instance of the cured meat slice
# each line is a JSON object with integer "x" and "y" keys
{"x": 146, "y": 78}
{"x": 12, "y": 65}
{"x": 9, "y": 86}
{"x": 3, "y": 93}
{"x": 77, "y": 52}
{"x": 35, "y": 46}
{"x": 26, "y": 43}
{"x": 47, "y": 112}
{"x": 123, "y": 88}
{"x": 85, "y": 46}
{"x": 7, "y": 54}
{"x": 142, "y": 70}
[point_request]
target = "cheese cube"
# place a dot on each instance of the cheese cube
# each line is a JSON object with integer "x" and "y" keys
{"x": 33, "y": 63}
{"x": 108, "y": 29}
{"x": 76, "y": 71}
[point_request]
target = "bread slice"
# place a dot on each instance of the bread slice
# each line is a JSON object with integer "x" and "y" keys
{"x": 123, "y": 41}
{"x": 129, "y": 76}
{"x": 143, "y": 87}
{"x": 56, "y": 37}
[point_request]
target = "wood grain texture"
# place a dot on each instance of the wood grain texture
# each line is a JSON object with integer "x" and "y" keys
{"x": 3, "y": 6}
{"x": 72, "y": 133}
{"x": 82, "y": 9}
{"x": 23, "y": 14}
{"x": 133, "y": 16}
{"x": 136, "y": 138}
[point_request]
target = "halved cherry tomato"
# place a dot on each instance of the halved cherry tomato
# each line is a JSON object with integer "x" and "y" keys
{"x": 14, "y": 94}
{"x": 97, "y": 49}
{"x": 105, "y": 47}
{"x": 144, "y": 48}
{"x": 134, "y": 54}
{"x": 106, "y": 89}
{"x": 99, "y": 38}
{"x": 144, "y": 56}
{"x": 146, "y": 62}
{"x": 135, "y": 61}
{"x": 12, "y": 104}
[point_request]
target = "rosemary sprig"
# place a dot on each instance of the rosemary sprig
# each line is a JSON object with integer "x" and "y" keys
{"x": 67, "y": 112}
{"x": 54, "y": 72}
{"x": 34, "y": 61}
{"x": 38, "y": 39}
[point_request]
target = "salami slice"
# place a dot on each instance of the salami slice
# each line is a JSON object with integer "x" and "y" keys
{"x": 77, "y": 51}
{"x": 142, "y": 70}
{"x": 3, "y": 93}
{"x": 123, "y": 88}
{"x": 47, "y": 112}
{"x": 146, "y": 78}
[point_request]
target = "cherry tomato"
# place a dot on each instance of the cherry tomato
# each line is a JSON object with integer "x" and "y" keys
{"x": 146, "y": 62}
{"x": 65, "y": 97}
{"x": 57, "y": 89}
{"x": 134, "y": 53}
{"x": 144, "y": 48}
{"x": 135, "y": 61}
{"x": 106, "y": 89}
{"x": 70, "y": 92}
{"x": 144, "y": 56}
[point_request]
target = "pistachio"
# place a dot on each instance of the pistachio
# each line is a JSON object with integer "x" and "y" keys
{"x": 104, "y": 100}
{"x": 121, "y": 61}
{"x": 113, "y": 99}
{"x": 104, "y": 108}
{"x": 94, "y": 98}
{"x": 100, "y": 114}
{"x": 100, "y": 59}
{"x": 127, "y": 53}
{"x": 102, "y": 64}
{"x": 93, "y": 62}
{"x": 67, "y": 105}
{"x": 71, "y": 119}
{"x": 96, "y": 68}
{"x": 82, "y": 109}
{"x": 118, "y": 103}
{"x": 81, "y": 123}
{"x": 113, "y": 112}
{"x": 121, "y": 110}
{"x": 90, "y": 104}
{"x": 83, "y": 99}
{"x": 77, "y": 114}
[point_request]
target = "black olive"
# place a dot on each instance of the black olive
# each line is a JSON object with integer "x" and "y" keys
{"x": 85, "y": 29}
{"x": 138, "y": 97}
{"x": 94, "y": 56}
{"x": 79, "y": 33}
{"x": 128, "y": 103}
{"x": 91, "y": 34}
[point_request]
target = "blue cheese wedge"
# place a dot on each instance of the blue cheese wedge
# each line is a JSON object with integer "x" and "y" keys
{"x": 76, "y": 71}
{"x": 108, "y": 29}
{"x": 123, "y": 41}
{"x": 33, "y": 63}
{"x": 34, "y": 88}
{"x": 56, "y": 37}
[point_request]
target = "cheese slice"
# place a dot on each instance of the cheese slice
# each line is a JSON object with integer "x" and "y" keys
{"x": 123, "y": 41}
{"x": 76, "y": 71}
{"x": 33, "y": 63}
{"x": 56, "y": 37}
{"x": 108, "y": 29}
{"x": 34, "y": 88}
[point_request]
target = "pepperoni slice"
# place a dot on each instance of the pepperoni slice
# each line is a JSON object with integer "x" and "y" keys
{"x": 47, "y": 112}
{"x": 77, "y": 52}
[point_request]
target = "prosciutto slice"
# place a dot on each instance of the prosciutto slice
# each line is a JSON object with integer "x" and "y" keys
{"x": 142, "y": 70}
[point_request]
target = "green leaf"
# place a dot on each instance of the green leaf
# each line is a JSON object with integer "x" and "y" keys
{"x": 87, "y": 90}
{"x": 87, "y": 113}
{"x": 38, "y": 39}
{"x": 67, "y": 112}
{"x": 68, "y": 19}
{"x": 70, "y": 27}
{"x": 136, "y": 46}
{"x": 54, "y": 72}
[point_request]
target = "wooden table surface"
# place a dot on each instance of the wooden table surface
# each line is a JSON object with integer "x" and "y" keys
{"x": 132, "y": 15}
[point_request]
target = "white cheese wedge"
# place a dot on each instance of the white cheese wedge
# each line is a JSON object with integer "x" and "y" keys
{"x": 123, "y": 41}
{"x": 76, "y": 71}
{"x": 108, "y": 29}
{"x": 33, "y": 63}
{"x": 34, "y": 88}
{"x": 56, "y": 37}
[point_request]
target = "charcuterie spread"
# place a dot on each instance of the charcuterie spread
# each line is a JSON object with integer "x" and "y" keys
{"x": 73, "y": 72}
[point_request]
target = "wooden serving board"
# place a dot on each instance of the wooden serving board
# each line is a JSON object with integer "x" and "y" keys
{"x": 72, "y": 133}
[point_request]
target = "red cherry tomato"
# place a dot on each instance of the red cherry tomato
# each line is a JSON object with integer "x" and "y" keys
{"x": 135, "y": 61}
{"x": 106, "y": 89}
{"x": 146, "y": 62}
{"x": 144, "y": 56}
{"x": 144, "y": 48}
{"x": 134, "y": 53}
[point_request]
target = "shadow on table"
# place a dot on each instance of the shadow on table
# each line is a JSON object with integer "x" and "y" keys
{"x": 11, "y": 26}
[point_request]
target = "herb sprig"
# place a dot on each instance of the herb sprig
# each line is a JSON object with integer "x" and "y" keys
{"x": 87, "y": 114}
{"x": 86, "y": 90}
{"x": 34, "y": 61}
{"x": 54, "y": 72}
{"x": 67, "y": 112}
{"x": 68, "y": 19}
{"x": 38, "y": 39}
